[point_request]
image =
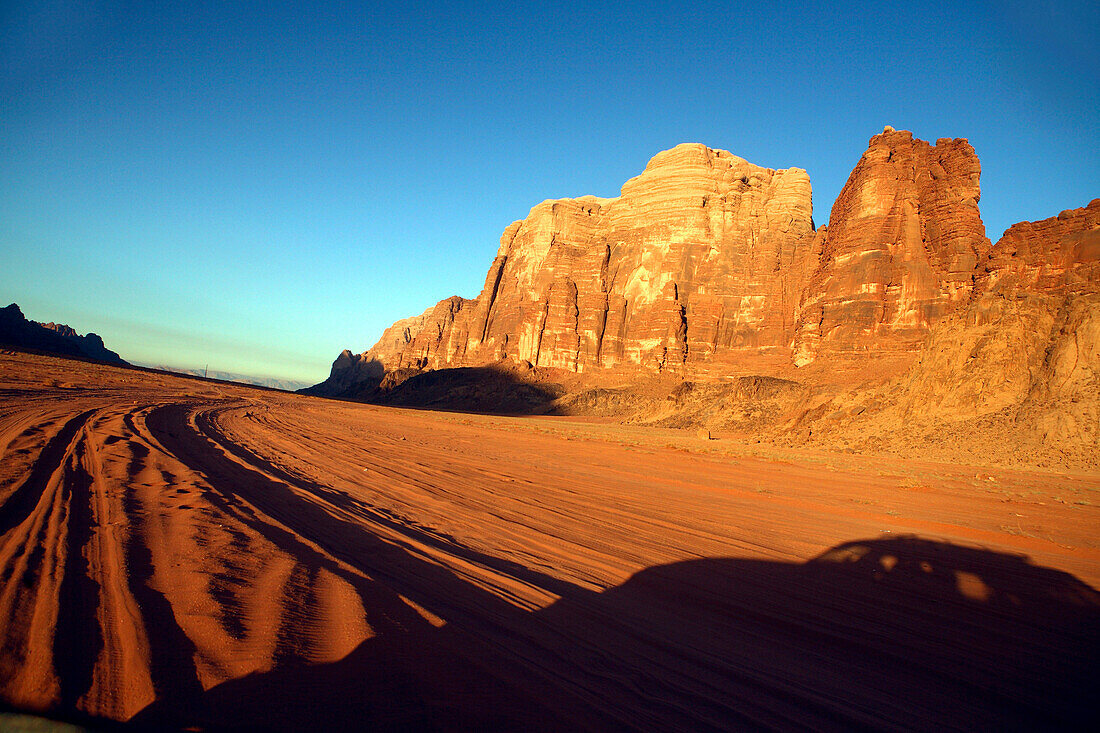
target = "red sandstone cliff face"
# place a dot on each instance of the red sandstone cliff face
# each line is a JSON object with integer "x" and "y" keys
{"x": 696, "y": 261}
{"x": 1012, "y": 376}
{"x": 707, "y": 266}
{"x": 1030, "y": 339}
{"x": 900, "y": 252}
{"x": 699, "y": 263}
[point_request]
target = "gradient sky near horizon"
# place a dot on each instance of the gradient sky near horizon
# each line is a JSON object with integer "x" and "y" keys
{"x": 255, "y": 186}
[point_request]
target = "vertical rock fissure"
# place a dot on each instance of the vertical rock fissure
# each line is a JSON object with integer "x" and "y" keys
{"x": 601, "y": 325}
{"x": 493, "y": 297}
{"x": 542, "y": 327}
{"x": 575, "y": 313}
{"x": 601, "y": 318}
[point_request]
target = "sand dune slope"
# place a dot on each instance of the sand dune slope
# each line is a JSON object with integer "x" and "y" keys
{"x": 180, "y": 553}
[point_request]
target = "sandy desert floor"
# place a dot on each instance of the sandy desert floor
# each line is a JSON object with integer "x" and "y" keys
{"x": 181, "y": 553}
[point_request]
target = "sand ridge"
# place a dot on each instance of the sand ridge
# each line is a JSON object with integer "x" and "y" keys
{"x": 184, "y": 553}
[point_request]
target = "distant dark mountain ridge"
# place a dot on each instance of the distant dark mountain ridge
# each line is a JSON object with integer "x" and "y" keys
{"x": 55, "y": 338}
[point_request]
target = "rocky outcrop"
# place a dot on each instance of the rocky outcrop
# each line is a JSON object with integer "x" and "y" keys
{"x": 698, "y": 261}
{"x": 55, "y": 338}
{"x": 1012, "y": 376}
{"x": 1030, "y": 339}
{"x": 901, "y": 250}
{"x": 61, "y": 329}
{"x": 351, "y": 375}
{"x": 698, "y": 265}
{"x": 897, "y": 322}
{"x": 897, "y": 327}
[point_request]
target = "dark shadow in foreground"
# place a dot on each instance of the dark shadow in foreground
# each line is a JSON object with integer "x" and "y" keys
{"x": 877, "y": 634}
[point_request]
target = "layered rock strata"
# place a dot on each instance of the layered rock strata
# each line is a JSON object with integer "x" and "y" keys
{"x": 700, "y": 261}
{"x": 701, "y": 256}
{"x": 1011, "y": 377}
{"x": 901, "y": 250}
{"x": 1030, "y": 337}
{"x": 709, "y": 266}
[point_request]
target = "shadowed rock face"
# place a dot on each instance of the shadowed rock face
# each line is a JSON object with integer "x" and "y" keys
{"x": 55, "y": 338}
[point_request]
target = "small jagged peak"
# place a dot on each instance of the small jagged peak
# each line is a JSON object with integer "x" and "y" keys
{"x": 891, "y": 137}
{"x": 343, "y": 361}
{"x": 61, "y": 328}
{"x": 587, "y": 203}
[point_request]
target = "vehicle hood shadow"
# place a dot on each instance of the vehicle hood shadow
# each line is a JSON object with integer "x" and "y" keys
{"x": 873, "y": 634}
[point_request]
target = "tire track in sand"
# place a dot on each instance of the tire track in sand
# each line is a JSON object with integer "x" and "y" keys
{"x": 247, "y": 559}
{"x": 35, "y": 550}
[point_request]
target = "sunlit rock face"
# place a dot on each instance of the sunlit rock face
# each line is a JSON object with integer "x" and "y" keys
{"x": 707, "y": 265}
{"x": 901, "y": 250}
{"x": 1059, "y": 254}
{"x": 1029, "y": 339}
{"x": 700, "y": 260}
{"x": 707, "y": 257}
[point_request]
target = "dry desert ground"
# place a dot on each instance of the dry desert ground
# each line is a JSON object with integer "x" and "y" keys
{"x": 191, "y": 554}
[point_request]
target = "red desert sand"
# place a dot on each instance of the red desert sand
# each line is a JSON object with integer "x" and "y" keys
{"x": 183, "y": 553}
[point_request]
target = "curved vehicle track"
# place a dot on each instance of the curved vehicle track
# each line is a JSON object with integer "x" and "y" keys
{"x": 180, "y": 553}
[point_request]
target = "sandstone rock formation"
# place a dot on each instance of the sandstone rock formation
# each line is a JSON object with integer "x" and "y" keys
{"x": 1013, "y": 375}
{"x": 61, "y": 329}
{"x": 698, "y": 264}
{"x": 897, "y": 319}
{"x": 901, "y": 249}
{"x": 1029, "y": 339}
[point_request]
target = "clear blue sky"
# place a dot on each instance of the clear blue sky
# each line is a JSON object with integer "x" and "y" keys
{"x": 259, "y": 185}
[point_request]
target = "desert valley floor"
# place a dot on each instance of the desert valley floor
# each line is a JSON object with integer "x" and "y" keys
{"x": 183, "y": 553}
